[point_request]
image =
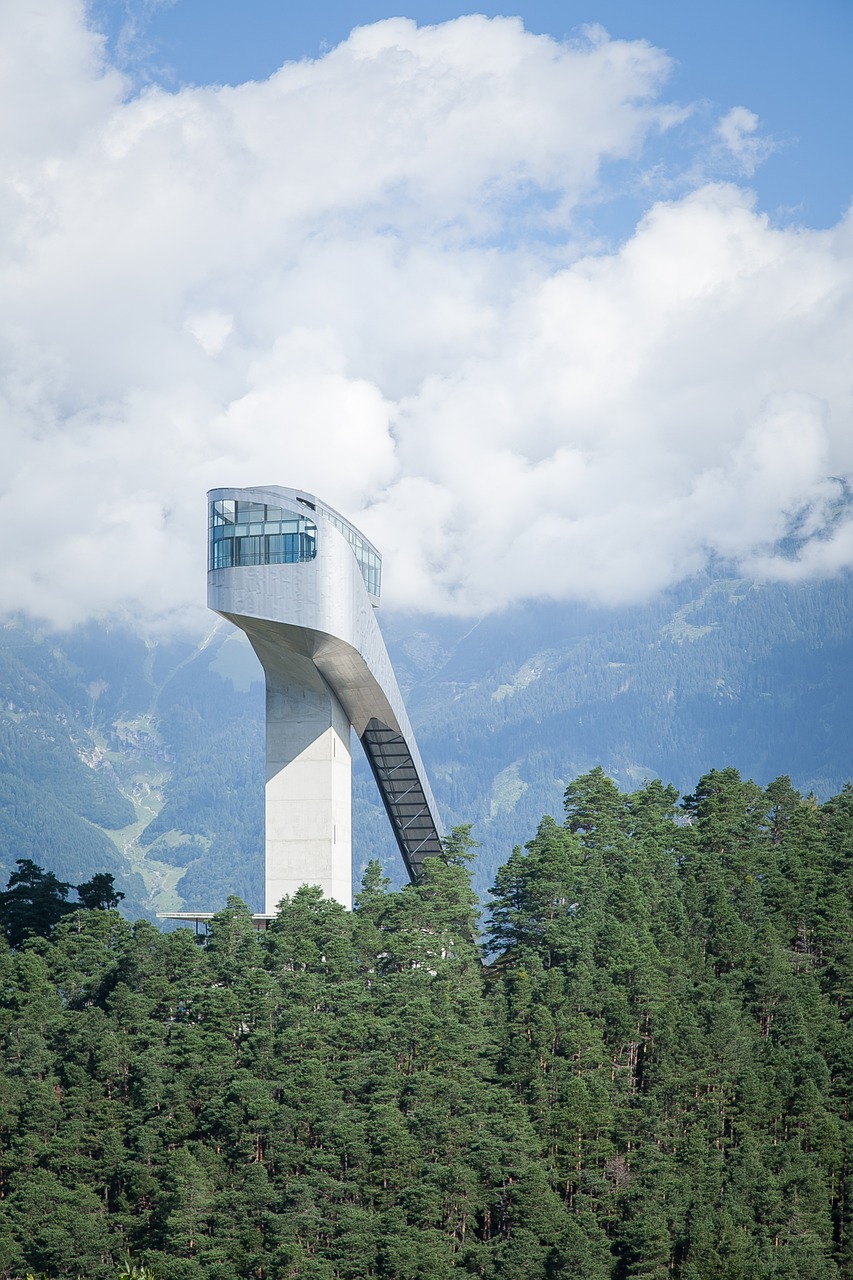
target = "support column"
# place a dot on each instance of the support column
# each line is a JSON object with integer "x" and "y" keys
{"x": 308, "y": 782}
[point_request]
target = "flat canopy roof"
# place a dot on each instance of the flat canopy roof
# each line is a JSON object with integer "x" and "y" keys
{"x": 259, "y": 919}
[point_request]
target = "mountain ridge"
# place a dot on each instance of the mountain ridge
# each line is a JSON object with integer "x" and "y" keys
{"x": 167, "y": 737}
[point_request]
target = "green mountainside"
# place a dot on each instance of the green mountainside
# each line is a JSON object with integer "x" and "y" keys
{"x": 145, "y": 760}
{"x": 717, "y": 671}
{"x": 649, "y": 1076}
{"x": 137, "y": 759}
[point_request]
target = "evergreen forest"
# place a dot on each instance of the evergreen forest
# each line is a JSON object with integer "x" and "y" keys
{"x": 638, "y": 1063}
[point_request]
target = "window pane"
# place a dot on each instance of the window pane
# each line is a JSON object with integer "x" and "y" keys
{"x": 273, "y": 542}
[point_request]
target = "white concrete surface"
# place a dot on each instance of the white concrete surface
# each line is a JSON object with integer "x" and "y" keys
{"x": 308, "y": 788}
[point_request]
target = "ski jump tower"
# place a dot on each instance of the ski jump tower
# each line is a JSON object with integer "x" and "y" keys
{"x": 303, "y": 584}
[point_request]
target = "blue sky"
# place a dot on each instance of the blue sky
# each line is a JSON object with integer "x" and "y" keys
{"x": 788, "y": 61}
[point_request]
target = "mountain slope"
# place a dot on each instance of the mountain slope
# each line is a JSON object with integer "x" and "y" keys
{"x": 147, "y": 759}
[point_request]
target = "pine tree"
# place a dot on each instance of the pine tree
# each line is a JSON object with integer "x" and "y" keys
{"x": 33, "y": 903}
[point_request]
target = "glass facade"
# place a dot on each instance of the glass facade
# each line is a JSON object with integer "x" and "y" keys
{"x": 369, "y": 561}
{"x": 243, "y": 533}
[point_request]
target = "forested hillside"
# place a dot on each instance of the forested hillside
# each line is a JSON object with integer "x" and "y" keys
{"x": 508, "y": 710}
{"x": 145, "y": 759}
{"x": 139, "y": 758}
{"x": 647, "y": 1073}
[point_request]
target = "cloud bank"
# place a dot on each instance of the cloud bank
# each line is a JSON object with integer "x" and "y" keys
{"x": 373, "y": 276}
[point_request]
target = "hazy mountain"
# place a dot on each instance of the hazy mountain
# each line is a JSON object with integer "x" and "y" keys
{"x": 146, "y": 759}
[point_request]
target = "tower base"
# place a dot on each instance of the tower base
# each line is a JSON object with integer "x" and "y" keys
{"x": 308, "y": 780}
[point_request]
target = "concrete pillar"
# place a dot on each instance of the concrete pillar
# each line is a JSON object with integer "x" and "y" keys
{"x": 308, "y": 782}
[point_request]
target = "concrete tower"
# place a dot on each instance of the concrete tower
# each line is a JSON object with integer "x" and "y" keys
{"x": 303, "y": 584}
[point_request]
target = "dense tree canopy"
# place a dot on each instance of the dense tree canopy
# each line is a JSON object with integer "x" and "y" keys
{"x": 35, "y": 901}
{"x": 645, "y": 1070}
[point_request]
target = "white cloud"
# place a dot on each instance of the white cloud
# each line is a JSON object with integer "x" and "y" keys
{"x": 363, "y": 277}
{"x": 738, "y": 132}
{"x": 211, "y": 330}
{"x": 54, "y": 84}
